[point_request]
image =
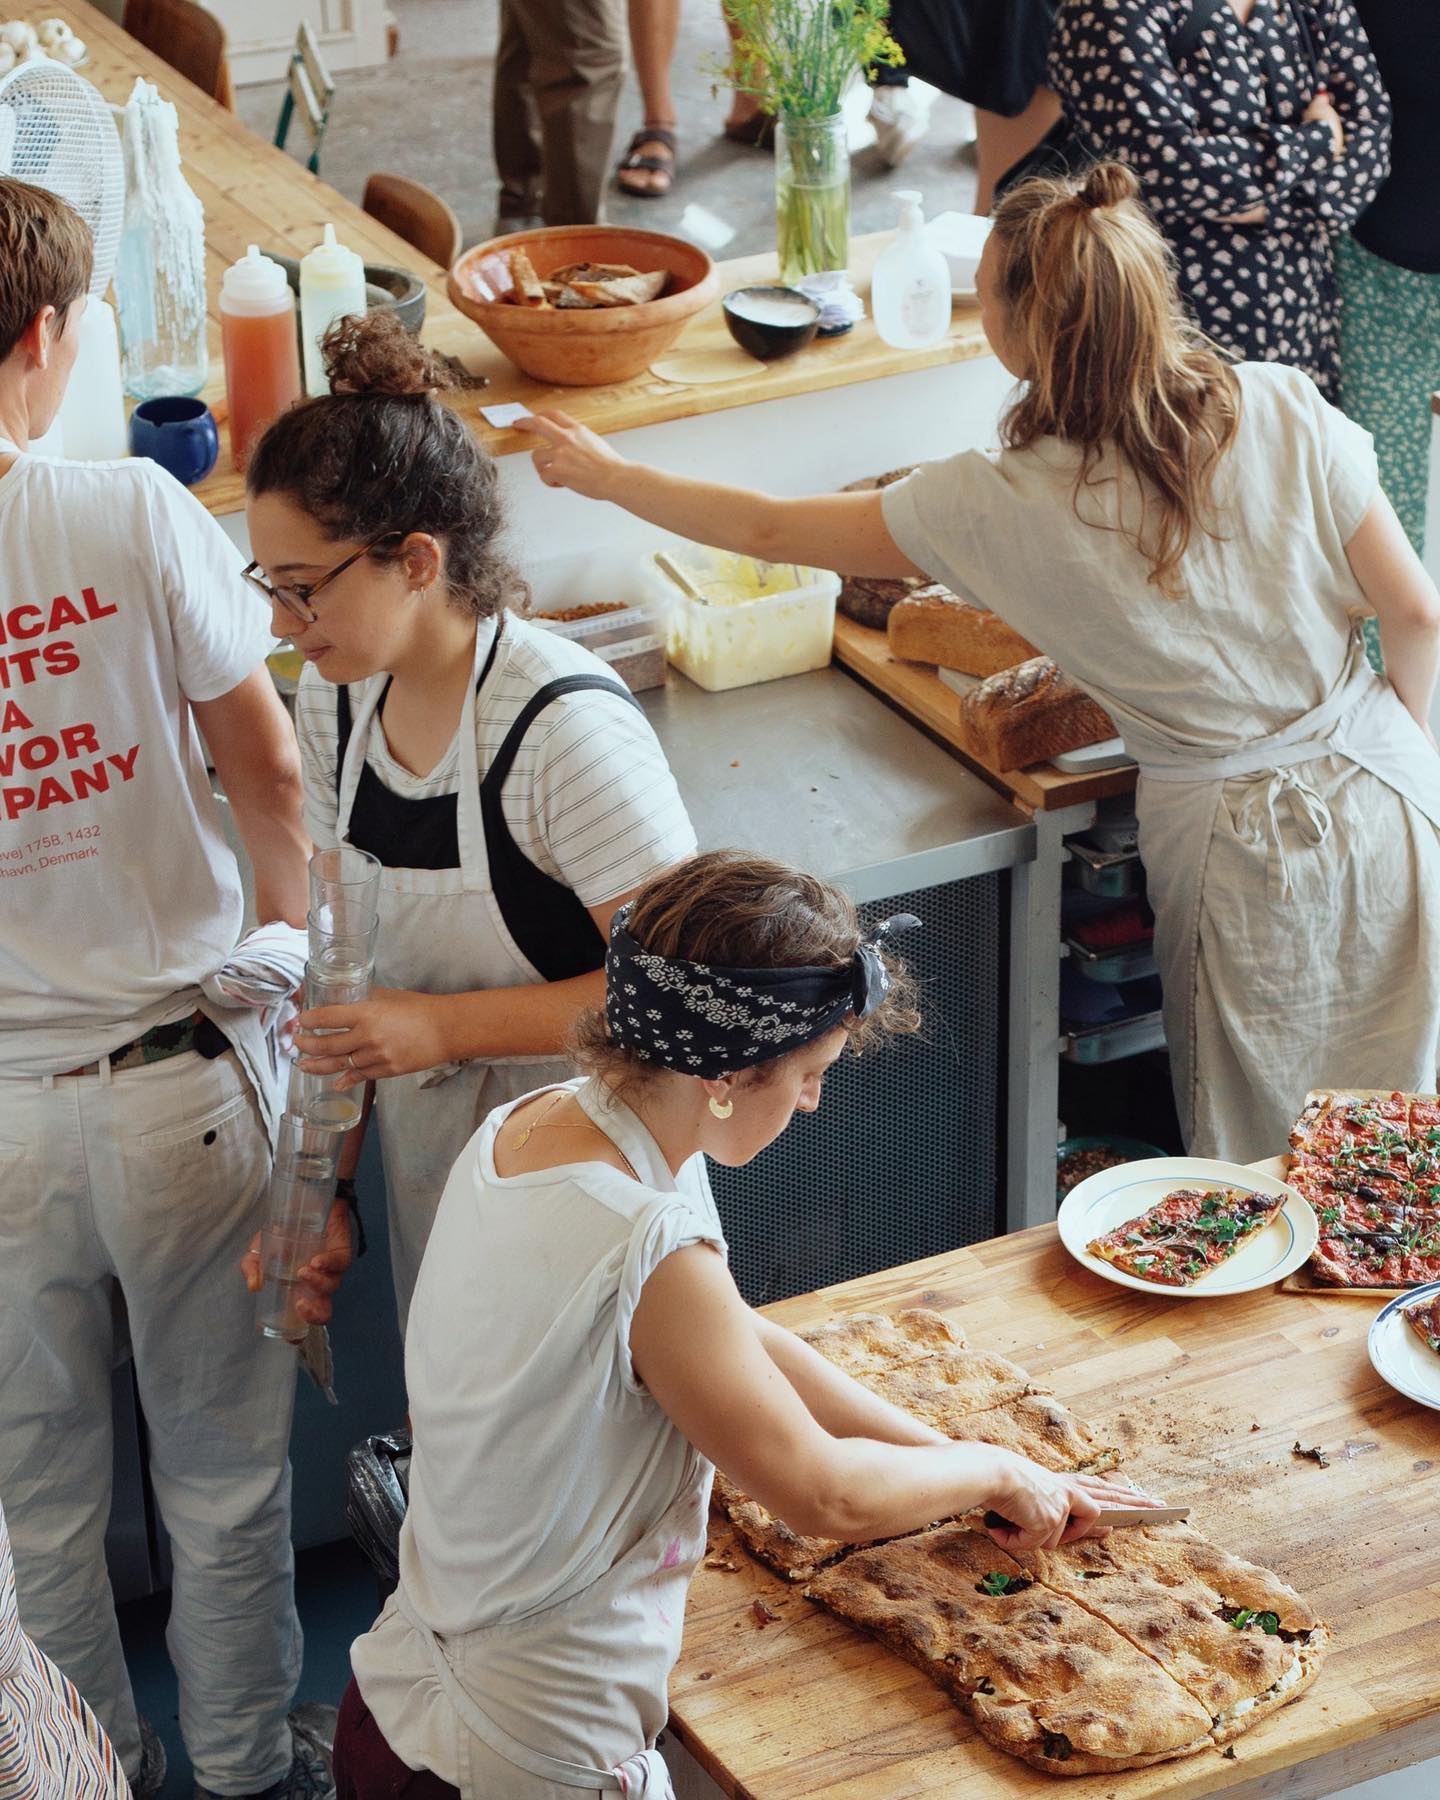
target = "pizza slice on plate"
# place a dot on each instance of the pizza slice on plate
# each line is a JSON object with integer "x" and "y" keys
{"x": 1232, "y": 1634}
{"x": 1187, "y": 1234}
{"x": 1424, "y": 1320}
{"x": 1041, "y": 1676}
{"x": 870, "y": 1343}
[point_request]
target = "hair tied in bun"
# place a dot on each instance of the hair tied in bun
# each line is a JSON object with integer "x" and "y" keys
{"x": 374, "y": 354}
{"x": 1107, "y": 184}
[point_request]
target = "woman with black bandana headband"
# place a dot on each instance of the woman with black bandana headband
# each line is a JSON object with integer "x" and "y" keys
{"x": 578, "y": 1357}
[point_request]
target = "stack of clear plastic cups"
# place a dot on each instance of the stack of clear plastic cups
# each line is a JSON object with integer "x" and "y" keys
{"x": 344, "y": 918}
{"x": 302, "y": 1189}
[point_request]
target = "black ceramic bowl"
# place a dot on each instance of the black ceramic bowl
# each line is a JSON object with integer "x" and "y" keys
{"x": 398, "y": 289}
{"x": 770, "y": 321}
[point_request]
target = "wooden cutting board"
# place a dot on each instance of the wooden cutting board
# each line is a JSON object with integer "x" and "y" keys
{"x": 1207, "y": 1400}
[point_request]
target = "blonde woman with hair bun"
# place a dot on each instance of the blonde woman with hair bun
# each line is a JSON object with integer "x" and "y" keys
{"x": 1195, "y": 543}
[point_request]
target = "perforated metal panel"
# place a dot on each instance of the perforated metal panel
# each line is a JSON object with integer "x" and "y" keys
{"x": 903, "y": 1158}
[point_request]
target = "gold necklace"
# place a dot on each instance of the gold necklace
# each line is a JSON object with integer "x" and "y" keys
{"x": 590, "y": 1124}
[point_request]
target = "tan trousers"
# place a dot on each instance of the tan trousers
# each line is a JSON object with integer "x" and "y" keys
{"x": 559, "y": 69}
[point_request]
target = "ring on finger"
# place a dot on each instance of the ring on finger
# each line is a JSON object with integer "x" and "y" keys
{"x": 350, "y": 1058}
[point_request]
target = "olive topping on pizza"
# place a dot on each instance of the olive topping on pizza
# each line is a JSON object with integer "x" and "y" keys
{"x": 1424, "y": 1320}
{"x": 1188, "y": 1233}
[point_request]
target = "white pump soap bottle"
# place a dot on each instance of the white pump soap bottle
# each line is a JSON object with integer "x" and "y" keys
{"x": 910, "y": 289}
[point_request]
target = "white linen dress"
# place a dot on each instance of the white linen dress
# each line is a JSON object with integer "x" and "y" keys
{"x": 1289, "y": 806}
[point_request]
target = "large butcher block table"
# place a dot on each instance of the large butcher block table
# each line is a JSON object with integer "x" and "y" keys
{"x": 255, "y": 194}
{"x": 1206, "y": 1399}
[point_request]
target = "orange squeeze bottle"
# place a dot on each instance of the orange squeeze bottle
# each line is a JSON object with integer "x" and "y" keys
{"x": 261, "y": 348}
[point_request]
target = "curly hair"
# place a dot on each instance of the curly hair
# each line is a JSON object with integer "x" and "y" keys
{"x": 1110, "y": 359}
{"x": 380, "y": 454}
{"x": 734, "y": 910}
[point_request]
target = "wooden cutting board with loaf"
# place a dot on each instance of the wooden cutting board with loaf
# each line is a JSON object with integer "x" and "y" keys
{"x": 1024, "y": 711}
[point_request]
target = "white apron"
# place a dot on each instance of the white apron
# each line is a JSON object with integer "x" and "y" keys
{"x": 441, "y": 932}
{"x": 1238, "y": 1082}
{"x": 620, "y": 1637}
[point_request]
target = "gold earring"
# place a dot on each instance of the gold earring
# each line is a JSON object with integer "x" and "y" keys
{"x": 721, "y": 1111}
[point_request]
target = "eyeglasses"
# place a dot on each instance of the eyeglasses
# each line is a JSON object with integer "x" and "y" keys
{"x": 296, "y": 596}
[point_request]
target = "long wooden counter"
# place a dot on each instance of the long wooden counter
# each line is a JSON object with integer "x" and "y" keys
{"x": 1206, "y": 1398}
{"x": 254, "y": 194}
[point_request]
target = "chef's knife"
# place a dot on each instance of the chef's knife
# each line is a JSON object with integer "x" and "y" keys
{"x": 1111, "y": 1515}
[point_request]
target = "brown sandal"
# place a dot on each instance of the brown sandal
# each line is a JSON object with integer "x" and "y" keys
{"x": 635, "y": 160}
{"x": 757, "y": 132}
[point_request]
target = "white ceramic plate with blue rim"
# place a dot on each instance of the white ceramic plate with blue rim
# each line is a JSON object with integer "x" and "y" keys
{"x": 1397, "y": 1353}
{"x": 1106, "y": 1200}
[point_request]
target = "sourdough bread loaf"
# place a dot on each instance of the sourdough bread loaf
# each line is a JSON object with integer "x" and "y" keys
{"x": 1029, "y": 714}
{"x": 869, "y": 599}
{"x": 932, "y": 625}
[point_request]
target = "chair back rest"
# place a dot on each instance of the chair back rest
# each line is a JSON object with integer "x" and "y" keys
{"x": 311, "y": 86}
{"x": 187, "y": 37}
{"x": 415, "y": 213}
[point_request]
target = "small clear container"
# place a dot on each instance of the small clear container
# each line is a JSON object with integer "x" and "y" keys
{"x": 735, "y": 621}
{"x": 297, "y": 1206}
{"x": 631, "y": 639}
{"x": 315, "y": 1098}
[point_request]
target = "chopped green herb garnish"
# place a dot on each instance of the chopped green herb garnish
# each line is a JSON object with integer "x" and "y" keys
{"x": 1243, "y": 1618}
{"x": 995, "y": 1583}
{"x": 1268, "y": 1622}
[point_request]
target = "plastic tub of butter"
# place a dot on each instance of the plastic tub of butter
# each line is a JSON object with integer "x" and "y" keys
{"x": 735, "y": 621}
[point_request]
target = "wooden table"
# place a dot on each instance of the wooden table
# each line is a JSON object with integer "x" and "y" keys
{"x": 255, "y": 194}
{"x": 809, "y": 1707}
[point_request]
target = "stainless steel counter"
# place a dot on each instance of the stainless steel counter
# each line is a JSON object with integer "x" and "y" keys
{"x": 816, "y": 771}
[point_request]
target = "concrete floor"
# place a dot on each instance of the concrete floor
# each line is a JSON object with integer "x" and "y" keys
{"x": 426, "y": 114}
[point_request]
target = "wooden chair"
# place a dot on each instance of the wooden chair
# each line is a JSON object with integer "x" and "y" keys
{"x": 308, "y": 86}
{"x": 187, "y": 37}
{"x": 415, "y": 213}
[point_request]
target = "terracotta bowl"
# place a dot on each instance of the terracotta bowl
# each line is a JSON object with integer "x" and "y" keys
{"x": 589, "y": 347}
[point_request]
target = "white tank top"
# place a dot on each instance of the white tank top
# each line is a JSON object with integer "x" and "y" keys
{"x": 540, "y": 1460}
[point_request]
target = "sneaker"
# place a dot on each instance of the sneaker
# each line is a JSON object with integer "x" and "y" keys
{"x": 310, "y": 1776}
{"x": 148, "y": 1783}
{"x": 901, "y": 117}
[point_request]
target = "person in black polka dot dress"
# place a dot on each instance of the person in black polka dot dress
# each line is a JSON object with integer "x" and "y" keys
{"x": 1250, "y": 170}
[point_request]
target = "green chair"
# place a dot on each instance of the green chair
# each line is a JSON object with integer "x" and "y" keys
{"x": 310, "y": 87}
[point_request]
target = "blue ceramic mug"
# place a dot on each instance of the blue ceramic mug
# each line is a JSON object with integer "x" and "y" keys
{"x": 179, "y": 434}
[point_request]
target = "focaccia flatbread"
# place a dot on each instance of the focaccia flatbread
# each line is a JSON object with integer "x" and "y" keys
{"x": 869, "y": 1343}
{"x": 943, "y": 1390}
{"x": 1042, "y": 1677}
{"x": 1232, "y": 1634}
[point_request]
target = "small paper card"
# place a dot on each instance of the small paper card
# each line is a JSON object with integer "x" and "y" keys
{"x": 507, "y": 414}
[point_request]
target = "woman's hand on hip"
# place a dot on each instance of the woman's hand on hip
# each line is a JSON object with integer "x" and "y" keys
{"x": 321, "y": 1276}
{"x": 394, "y": 1032}
{"x": 572, "y": 456}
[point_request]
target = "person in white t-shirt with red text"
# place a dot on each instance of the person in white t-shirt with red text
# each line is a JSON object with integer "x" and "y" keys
{"x": 135, "y": 1117}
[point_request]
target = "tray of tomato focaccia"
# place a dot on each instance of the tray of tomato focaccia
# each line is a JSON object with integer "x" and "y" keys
{"x": 1106, "y": 1654}
{"x": 1369, "y": 1164}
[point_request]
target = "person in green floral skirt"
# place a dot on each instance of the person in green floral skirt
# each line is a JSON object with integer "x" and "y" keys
{"x": 1388, "y": 270}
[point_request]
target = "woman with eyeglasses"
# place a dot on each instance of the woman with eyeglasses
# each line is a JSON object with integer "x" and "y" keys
{"x": 509, "y": 784}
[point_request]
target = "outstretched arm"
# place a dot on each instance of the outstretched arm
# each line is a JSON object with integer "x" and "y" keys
{"x": 753, "y": 1421}
{"x": 827, "y": 531}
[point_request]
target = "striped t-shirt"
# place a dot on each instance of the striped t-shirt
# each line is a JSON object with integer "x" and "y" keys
{"x": 51, "y": 1745}
{"x": 590, "y": 799}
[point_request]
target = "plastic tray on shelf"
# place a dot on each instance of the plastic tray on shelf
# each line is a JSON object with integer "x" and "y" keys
{"x": 1111, "y": 1043}
{"x": 1112, "y": 874}
{"x": 1123, "y": 962}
